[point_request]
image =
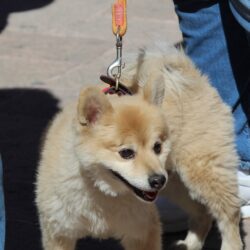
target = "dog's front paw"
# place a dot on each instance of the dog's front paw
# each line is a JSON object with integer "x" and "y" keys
{"x": 179, "y": 245}
{"x": 186, "y": 244}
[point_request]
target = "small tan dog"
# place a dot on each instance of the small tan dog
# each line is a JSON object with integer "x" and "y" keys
{"x": 100, "y": 160}
{"x": 203, "y": 160}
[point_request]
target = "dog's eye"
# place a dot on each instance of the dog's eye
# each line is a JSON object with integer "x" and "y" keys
{"x": 127, "y": 153}
{"x": 157, "y": 148}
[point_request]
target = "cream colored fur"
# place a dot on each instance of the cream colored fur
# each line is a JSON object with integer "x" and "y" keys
{"x": 203, "y": 159}
{"x": 78, "y": 195}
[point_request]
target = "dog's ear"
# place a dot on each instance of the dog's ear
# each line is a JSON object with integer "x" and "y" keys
{"x": 154, "y": 90}
{"x": 92, "y": 105}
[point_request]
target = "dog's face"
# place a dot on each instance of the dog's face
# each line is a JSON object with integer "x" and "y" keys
{"x": 122, "y": 144}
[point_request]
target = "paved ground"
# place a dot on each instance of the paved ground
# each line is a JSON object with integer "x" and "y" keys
{"x": 48, "y": 51}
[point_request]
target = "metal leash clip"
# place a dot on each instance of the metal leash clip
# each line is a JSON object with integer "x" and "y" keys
{"x": 117, "y": 64}
{"x": 119, "y": 27}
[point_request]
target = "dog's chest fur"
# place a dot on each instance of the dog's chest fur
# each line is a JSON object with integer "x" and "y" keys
{"x": 87, "y": 211}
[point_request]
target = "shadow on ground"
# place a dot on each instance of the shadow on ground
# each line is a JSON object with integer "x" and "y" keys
{"x": 9, "y": 6}
{"x": 24, "y": 114}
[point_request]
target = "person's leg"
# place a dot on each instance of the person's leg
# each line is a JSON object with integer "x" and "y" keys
{"x": 241, "y": 11}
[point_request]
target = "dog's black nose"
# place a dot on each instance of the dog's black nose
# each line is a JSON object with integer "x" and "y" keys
{"x": 157, "y": 181}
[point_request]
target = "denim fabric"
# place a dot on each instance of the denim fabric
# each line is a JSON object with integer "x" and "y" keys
{"x": 218, "y": 46}
{"x": 2, "y": 211}
{"x": 245, "y": 3}
{"x": 240, "y": 18}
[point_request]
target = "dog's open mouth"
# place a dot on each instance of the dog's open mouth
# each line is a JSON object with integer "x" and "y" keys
{"x": 145, "y": 195}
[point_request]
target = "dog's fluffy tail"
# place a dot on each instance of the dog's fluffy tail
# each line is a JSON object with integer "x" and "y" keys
{"x": 170, "y": 64}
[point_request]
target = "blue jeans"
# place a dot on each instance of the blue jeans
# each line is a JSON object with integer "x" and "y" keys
{"x": 219, "y": 47}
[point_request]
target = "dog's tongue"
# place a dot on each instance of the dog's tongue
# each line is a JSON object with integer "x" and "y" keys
{"x": 151, "y": 195}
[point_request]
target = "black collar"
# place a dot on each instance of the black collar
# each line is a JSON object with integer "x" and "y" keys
{"x": 122, "y": 89}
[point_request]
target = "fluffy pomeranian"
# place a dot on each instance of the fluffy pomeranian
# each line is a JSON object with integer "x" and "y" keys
{"x": 106, "y": 158}
{"x": 102, "y": 166}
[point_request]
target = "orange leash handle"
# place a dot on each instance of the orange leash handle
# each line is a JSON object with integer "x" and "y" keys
{"x": 119, "y": 17}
